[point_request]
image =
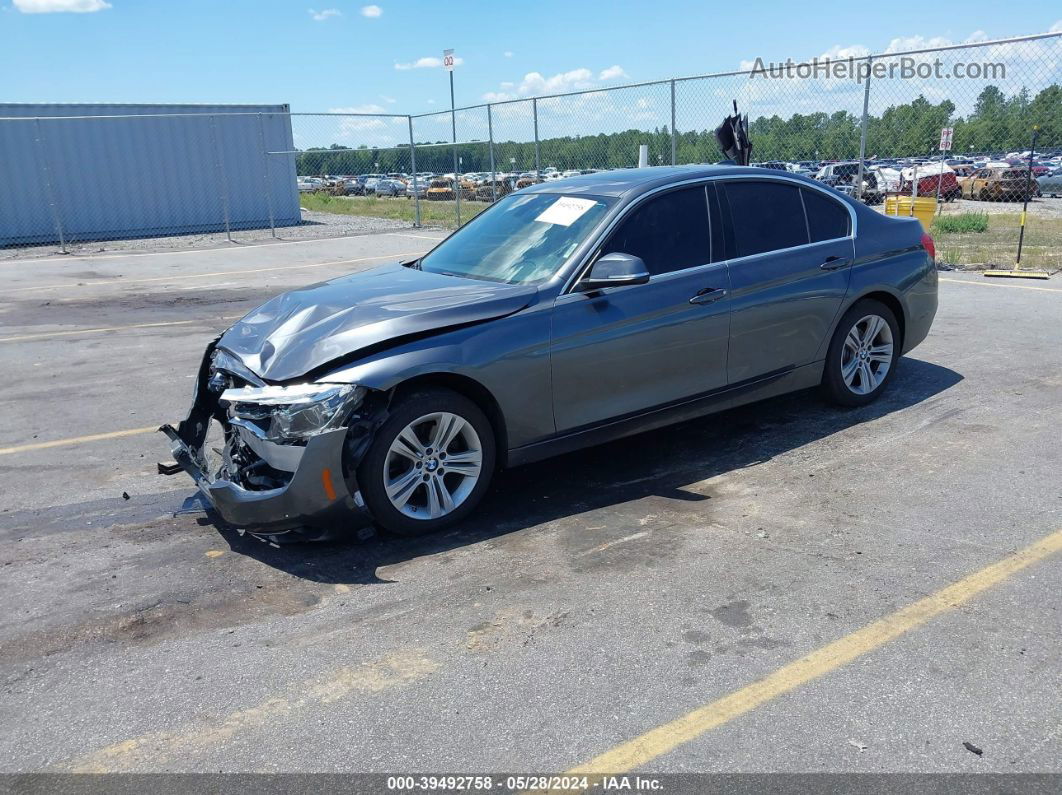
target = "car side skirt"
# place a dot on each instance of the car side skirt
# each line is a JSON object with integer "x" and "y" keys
{"x": 728, "y": 397}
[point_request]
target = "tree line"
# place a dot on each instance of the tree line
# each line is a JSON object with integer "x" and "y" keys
{"x": 996, "y": 124}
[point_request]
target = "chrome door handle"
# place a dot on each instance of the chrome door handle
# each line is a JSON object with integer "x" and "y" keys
{"x": 835, "y": 263}
{"x": 708, "y": 295}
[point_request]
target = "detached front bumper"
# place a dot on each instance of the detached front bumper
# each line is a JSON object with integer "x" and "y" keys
{"x": 316, "y": 496}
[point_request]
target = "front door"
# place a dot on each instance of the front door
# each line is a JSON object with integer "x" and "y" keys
{"x": 623, "y": 350}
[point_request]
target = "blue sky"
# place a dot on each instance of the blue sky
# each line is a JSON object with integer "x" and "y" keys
{"x": 328, "y": 54}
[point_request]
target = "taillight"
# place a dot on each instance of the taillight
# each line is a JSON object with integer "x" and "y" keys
{"x": 927, "y": 244}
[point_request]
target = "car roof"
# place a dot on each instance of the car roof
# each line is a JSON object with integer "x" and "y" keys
{"x": 628, "y": 182}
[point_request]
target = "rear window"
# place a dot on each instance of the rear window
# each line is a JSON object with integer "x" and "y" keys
{"x": 766, "y": 216}
{"x": 827, "y": 218}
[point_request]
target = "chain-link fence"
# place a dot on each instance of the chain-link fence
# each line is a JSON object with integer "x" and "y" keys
{"x": 869, "y": 124}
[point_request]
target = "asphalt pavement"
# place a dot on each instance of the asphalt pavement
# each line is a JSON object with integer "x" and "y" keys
{"x": 730, "y": 594}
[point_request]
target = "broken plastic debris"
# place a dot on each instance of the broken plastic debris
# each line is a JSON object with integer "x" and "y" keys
{"x": 196, "y": 503}
{"x": 973, "y": 749}
{"x": 857, "y": 744}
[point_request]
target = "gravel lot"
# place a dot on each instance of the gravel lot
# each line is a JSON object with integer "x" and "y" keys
{"x": 596, "y": 596}
{"x": 314, "y": 225}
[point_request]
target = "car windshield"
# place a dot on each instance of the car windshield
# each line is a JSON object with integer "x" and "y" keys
{"x": 521, "y": 239}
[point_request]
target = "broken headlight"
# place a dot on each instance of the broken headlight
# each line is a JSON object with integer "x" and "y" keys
{"x": 293, "y": 413}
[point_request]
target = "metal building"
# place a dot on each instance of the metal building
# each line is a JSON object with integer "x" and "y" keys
{"x": 98, "y": 172}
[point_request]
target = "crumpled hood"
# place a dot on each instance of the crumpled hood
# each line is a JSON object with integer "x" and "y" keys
{"x": 301, "y": 330}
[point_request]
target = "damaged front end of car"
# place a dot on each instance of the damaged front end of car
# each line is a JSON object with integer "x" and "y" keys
{"x": 289, "y": 454}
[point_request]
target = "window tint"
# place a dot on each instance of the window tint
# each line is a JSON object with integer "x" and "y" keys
{"x": 765, "y": 216}
{"x": 827, "y": 219}
{"x": 669, "y": 232}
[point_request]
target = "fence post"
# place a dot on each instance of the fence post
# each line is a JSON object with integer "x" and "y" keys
{"x": 534, "y": 110}
{"x": 42, "y": 157}
{"x": 674, "y": 142}
{"x": 223, "y": 190}
{"x": 490, "y": 145}
{"x": 863, "y": 131}
{"x": 265, "y": 175}
{"x": 413, "y": 167}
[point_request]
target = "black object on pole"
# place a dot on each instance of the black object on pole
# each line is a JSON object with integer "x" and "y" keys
{"x": 733, "y": 138}
{"x": 1028, "y": 190}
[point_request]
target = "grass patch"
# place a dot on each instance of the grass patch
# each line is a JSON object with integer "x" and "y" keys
{"x": 432, "y": 213}
{"x": 961, "y": 223}
{"x": 997, "y": 244}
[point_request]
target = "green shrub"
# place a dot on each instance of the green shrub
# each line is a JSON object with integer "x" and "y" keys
{"x": 962, "y": 222}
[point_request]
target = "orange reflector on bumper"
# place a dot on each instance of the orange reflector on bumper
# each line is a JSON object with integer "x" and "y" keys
{"x": 326, "y": 481}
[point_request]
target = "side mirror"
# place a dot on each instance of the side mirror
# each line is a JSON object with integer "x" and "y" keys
{"x": 616, "y": 270}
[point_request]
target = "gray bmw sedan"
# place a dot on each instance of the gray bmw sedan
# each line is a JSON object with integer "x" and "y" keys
{"x": 568, "y": 314}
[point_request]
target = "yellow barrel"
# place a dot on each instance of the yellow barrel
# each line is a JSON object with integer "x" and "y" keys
{"x": 925, "y": 207}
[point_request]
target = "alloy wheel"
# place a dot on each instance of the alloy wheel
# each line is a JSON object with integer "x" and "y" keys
{"x": 867, "y": 354}
{"x": 432, "y": 466}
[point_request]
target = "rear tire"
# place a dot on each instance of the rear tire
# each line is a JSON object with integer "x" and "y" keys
{"x": 430, "y": 463}
{"x": 863, "y": 354}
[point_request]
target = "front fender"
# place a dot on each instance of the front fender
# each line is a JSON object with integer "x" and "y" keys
{"x": 508, "y": 358}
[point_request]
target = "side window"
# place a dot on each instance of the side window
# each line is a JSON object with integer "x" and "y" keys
{"x": 669, "y": 232}
{"x": 827, "y": 219}
{"x": 765, "y": 216}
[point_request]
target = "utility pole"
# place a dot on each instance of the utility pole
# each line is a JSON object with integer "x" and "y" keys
{"x": 448, "y": 62}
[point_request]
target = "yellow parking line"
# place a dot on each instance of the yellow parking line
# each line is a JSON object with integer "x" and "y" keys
{"x": 95, "y": 437}
{"x": 656, "y": 742}
{"x": 998, "y": 284}
{"x": 48, "y": 334}
{"x": 396, "y": 255}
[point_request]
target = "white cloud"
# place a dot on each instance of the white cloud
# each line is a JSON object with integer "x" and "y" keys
{"x": 370, "y": 107}
{"x": 60, "y": 6}
{"x": 321, "y": 16}
{"x": 427, "y": 62}
{"x": 388, "y": 100}
{"x": 1056, "y": 28}
{"x": 509, "y": 53}
{"x": 536, "y": 84}
{"x": 612, "y": 73}
{"x": 431, "y": 101}
{"x": 372, "y": 12}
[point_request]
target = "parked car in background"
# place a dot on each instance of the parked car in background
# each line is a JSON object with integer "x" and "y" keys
{"x": 309, "y": 184}
{"x": 1050, "y": 184}
{"x": 887, "y": 178}
{"x": 420, "y": 190}
{"x": 390, "y": 187}
{"x": 501, "y": 186}
{"x": 573, "y": 313}
{"x": 837, "y": 174}
{"x": 999, "y": 184}
{"x": 526, "y": 181}
{"x": 934, "y": 179}
{"x": 369, "y": 185}
{"x": 440, "y": 189}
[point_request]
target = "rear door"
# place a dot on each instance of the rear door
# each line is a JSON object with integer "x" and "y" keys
{"x": 792, "y": 252}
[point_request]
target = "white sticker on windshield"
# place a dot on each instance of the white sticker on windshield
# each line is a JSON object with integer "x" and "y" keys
{"x": 565, "y": 211}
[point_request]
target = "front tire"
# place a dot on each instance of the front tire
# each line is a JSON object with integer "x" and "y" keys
{"x": 430, "y": 463}
{"x": 862, "y": 355}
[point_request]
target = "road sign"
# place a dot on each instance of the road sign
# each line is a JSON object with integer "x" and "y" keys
{"x": 448, "y": 60}
{"x": 945, "y": 139}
